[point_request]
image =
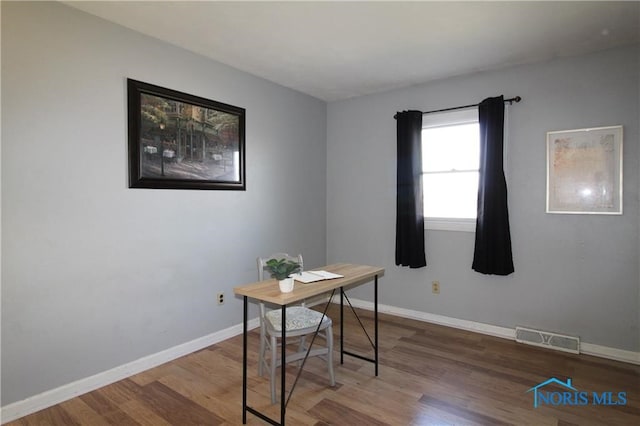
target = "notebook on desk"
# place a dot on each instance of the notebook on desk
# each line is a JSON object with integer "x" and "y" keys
{"x": 307, "y": 277}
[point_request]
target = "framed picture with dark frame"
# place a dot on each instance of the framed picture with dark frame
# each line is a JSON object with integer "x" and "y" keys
{"x": 182, "y": 141}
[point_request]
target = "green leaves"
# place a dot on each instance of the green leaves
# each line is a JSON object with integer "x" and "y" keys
{"x": 281, "y": 268}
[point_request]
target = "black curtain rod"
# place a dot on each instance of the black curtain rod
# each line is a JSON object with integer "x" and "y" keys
{"x": 511, "y": 101}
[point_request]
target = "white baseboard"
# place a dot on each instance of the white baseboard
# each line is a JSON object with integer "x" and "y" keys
{"x": 610, "y": 353}
{"x": 88, "y": 384}
{"x": 492, "y": 330}
{"x": 55, "y": 396}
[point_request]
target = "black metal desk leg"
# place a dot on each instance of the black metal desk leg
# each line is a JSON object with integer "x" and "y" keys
{"x": 283, "y": 365}
{"x": 375, "y": 303}
{"x": 341, "y": 325}
{"x": 244, "y": 363}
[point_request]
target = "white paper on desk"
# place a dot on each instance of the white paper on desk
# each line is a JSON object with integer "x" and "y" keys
{"x": 313, "y": 276}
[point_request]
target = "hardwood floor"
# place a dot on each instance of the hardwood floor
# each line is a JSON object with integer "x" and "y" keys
{"x": 428, "y": 375}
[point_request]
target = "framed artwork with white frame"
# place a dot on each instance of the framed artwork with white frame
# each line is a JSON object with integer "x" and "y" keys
{"x": 584, "y": 171}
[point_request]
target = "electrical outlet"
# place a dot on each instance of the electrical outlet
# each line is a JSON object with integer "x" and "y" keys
{"x": 220, "y": 298}
{"x": 435, "y": 287}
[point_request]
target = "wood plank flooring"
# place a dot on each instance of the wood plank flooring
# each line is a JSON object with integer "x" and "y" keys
{"x": 429, "y": 375}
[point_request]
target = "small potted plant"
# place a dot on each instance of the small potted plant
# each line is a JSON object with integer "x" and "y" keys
{"x": 280, "y": 269}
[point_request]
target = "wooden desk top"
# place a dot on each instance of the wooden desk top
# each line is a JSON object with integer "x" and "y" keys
{"x": 268, "y": 290}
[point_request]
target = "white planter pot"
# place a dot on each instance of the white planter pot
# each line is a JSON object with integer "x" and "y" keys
{"x": 286, "y": 285}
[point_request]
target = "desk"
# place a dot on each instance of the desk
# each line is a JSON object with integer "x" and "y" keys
{"x": 268, "y": 291}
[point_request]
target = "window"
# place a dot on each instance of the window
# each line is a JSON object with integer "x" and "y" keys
{"x": 450, "y": 163}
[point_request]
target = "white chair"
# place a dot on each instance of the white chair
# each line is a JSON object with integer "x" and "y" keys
{"x": 300, "y": 322}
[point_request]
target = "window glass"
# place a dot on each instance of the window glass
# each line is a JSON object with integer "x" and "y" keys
{"x": 450, "y": 163}
{"x": 451, "y": 196}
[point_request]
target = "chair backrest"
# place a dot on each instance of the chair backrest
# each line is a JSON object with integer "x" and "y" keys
{"x": 262, "y": 261}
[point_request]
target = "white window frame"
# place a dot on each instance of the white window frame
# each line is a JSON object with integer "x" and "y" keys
{"x": 450, "y": 118}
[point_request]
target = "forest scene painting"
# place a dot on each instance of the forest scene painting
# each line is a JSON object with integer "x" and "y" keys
{"x": 182, "y": 141}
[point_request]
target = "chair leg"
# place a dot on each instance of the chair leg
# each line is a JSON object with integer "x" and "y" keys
{"x": 261, "y": 360}
{"x": 329, "y": 335}
{"x": 274, "y": 350}
{"x": 301, "y": 348}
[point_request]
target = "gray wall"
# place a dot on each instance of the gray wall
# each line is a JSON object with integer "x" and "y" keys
{"x": 95, "y": 274}
{"x": 575, "y": 274}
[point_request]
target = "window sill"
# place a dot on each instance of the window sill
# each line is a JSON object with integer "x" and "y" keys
{"x": 458, "y": 225}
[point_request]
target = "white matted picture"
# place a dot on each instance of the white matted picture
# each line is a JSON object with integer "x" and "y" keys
{"x": 584, "y": 171}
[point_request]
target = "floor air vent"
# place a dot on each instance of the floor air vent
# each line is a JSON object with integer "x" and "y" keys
{"x": 547, "y": 339}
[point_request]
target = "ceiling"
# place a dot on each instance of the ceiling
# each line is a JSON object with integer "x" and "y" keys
{"x": 338, "y": 50}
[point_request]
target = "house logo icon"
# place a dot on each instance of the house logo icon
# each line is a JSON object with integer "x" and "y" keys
{"x": 536, "y": 388}
{"x": 569, "y": 395}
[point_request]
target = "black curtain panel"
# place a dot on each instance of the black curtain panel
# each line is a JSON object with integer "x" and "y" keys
{"x": 410, "y": 217}
{"x": 492, "y": 253}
